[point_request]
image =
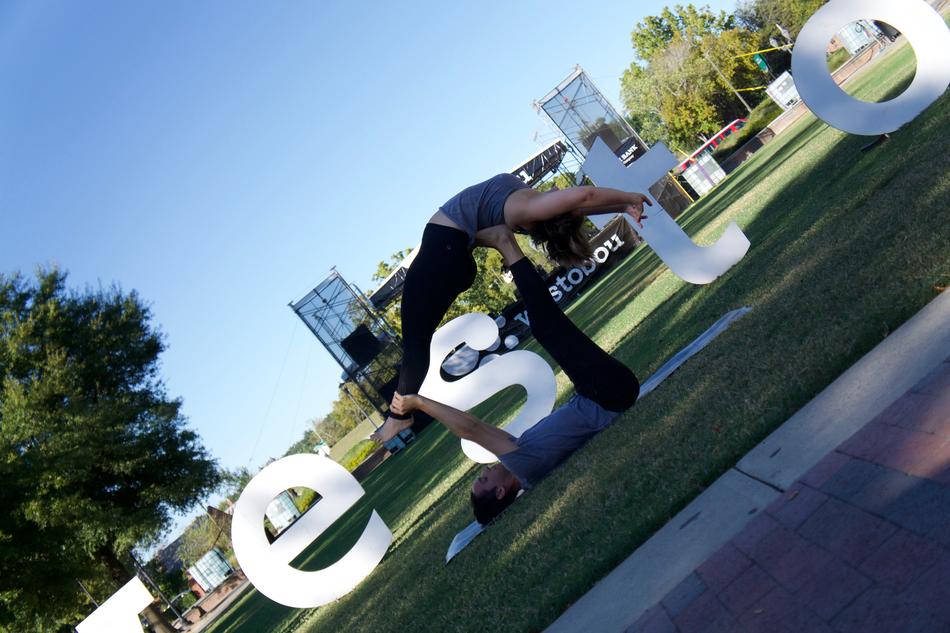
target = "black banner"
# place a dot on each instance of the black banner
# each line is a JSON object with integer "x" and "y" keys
{"x": 630, "y": 150}
{"x": 610, "y": 246}
{"x": 541, "y": 164}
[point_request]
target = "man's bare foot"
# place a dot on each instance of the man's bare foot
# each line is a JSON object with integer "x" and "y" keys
{"x": 390, "y": 429}
{"x": 502, "y": 240}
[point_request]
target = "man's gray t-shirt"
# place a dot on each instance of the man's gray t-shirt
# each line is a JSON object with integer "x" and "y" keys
{"x": 554, "y": 438}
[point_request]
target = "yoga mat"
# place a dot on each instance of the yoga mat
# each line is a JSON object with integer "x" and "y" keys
{"x": 466, "y": 536}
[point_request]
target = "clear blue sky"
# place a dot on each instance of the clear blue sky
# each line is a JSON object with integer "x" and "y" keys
{"x": 220, "y": 157}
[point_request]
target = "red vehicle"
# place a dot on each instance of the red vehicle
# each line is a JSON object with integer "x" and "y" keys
{"x": 712, "y": 143}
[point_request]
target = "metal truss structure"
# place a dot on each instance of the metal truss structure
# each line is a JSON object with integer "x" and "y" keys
{"x": 367, "y": 349}
{"x": 581, "y": 113}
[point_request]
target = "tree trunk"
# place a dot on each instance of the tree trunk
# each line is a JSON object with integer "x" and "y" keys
{"x": 121, "y": 576}
{"x": 157, "y": 619}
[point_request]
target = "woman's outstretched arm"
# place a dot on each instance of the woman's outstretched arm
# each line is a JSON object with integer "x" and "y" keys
{"x": 527, "y": 206}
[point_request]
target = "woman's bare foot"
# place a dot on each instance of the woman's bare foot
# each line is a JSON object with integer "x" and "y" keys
{"x": 390, "y": 429}
{"x": 502, "y": 240}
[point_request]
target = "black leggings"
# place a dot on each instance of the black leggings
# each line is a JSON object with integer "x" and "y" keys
{"x": 442, "y": 270}
{"x": 595, "y": 373}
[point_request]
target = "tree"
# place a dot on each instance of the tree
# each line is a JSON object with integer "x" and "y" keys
{"x": 346, "y": 413}
{"x": 655, "y": 34}
{"x": 674, "y": 91}
{"x": 637, "y": 92}
{"x": 172, "y": 582}
{"x": 95, "y": 457}
{"x": 200, "y": 537}
{"x": 307, "y": 443}
{"x": 234, "y": 481}
{"x": 764, "y": 16}
{"x": 334, "y": 426}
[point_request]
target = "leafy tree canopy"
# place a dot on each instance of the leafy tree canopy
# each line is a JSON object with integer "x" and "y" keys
{"x": 675, "y": 92}
{"x": 765, "y": 16}
{"x": 94, "y": 455}
{"x": 657, "y": 32}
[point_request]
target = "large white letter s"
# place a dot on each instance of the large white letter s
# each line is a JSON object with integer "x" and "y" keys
{"x": 519, "y": 367}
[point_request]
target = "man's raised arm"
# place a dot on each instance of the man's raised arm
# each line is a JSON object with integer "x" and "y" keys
{"x": 459, "y": 423}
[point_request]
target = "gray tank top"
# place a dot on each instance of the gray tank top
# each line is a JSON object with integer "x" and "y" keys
{"x": 482, "y": 205}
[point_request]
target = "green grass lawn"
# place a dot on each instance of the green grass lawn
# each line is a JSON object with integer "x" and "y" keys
{"x": 846, "y": 246}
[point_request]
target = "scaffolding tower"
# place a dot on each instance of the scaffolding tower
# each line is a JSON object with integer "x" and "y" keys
{"x": 580, "y": 113}
{"x": 366, "y": 347}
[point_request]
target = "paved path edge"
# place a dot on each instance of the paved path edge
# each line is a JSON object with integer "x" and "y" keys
{"x": 722, "y": 510}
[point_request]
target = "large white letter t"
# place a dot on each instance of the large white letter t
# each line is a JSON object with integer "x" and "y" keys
{"x": 695, "y": 264}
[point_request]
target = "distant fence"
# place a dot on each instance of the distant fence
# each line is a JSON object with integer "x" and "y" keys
{"x": 370, "y": 464}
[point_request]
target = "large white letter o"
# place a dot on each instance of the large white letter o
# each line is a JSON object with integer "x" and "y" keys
{"x": 924, "y": 29}
{"x": 268, "y": 565}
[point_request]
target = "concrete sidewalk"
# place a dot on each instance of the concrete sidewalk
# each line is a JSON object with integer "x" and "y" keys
{"x": 860, "y": 543}
{"x": 782, "y": 544}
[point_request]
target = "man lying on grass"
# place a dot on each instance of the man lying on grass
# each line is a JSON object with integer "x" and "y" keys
{"x": 605, "y": 388}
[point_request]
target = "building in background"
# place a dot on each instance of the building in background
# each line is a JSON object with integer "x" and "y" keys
{"x": 783, "y": 91}
{"x": 859, "y": 35}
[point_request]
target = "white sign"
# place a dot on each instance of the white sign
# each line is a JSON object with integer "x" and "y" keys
{"x": 267, "y": 565}
{"x": 692, "y": 263}
{"x": 921, "y": 25}
{"x": 783, "y": 91}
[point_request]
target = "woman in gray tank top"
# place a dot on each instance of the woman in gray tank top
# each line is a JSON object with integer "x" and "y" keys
{"x": 444, "y": 268}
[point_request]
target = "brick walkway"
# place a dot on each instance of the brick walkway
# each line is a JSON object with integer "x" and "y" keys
{"x": 861, "y": 543}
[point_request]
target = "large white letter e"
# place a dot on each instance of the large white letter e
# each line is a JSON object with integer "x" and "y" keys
{"x": 268, "y": 565}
